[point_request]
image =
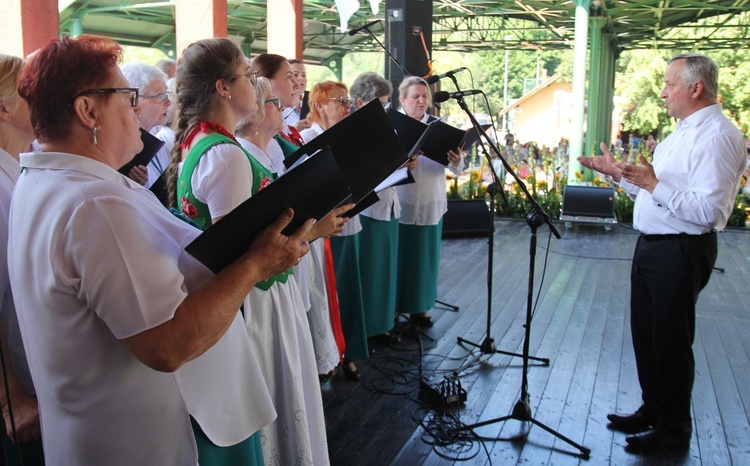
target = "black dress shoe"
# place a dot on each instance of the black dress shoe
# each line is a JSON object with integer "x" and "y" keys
{"x": 422, "y": 321}
{"x": 663, "y": 438}
{"x": 631, "y": 423}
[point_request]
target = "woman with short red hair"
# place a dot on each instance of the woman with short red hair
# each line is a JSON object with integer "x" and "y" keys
{"x": 129, "y": 338}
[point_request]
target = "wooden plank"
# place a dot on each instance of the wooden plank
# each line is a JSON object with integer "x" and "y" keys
{"x": 721, "y": 339}
{"x": 582, "y": 325}
{"x": 585, "y": 376}
{"x": 604, "y": 395}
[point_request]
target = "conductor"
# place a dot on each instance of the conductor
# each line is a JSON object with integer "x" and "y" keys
{"x": 681, "y": 201}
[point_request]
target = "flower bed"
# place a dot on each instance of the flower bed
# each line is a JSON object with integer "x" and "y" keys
{"x": 473, "y": 185}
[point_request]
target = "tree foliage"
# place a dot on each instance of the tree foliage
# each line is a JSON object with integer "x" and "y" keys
{"x": 638, "y": 81}
{"x": 734, "y": 85}
{"x": 638, "y": 78}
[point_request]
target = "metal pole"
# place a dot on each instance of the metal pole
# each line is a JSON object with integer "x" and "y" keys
{"x": 505, "y": 91}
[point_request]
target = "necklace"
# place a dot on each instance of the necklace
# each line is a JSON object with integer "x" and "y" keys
{"x": 205, "y": 126}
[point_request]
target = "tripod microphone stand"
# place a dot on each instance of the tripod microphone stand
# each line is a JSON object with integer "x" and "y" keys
{"x": 535, "y": 218}
{"x": 488, "y": 344}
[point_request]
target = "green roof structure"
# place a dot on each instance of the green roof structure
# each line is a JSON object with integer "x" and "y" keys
{"x": 459, "y": 25}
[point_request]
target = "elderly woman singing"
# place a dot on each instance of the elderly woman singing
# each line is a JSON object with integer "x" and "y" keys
{"x": 129, "y": 339}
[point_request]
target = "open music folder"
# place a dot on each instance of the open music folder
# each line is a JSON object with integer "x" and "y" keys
{"x": 312, "y": 189}
{"x": 366, "y": 149}
{"x": 434, "y": 139}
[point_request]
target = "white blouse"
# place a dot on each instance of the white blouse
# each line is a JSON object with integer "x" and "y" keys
{"x": 223, "y": 179}
{"x": 425, "y": 201}
{"x": 353, "y": 226}
{"x": 387, "y": 208}
{"x": 271, "y": 159}
{"x": 108, "y": 263}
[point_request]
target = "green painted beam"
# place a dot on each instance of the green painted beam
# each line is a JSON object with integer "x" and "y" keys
{"x": 579, "y": 87}
{"x": 594, "y": 116}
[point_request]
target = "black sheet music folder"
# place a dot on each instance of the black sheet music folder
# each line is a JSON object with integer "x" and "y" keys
{"x": 151, "y": 145}
{"x": 366, "y": 149}
{"x": 312, "y": 189}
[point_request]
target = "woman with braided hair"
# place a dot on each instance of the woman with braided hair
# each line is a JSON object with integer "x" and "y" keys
{"x": 211, "y": 174}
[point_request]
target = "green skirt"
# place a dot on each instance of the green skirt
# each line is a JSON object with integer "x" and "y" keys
{"x": 418, "y": 264}
{"x": 248, "y": 452}
{"x": 378, "y": 263}
{"x": 346, "y": 265}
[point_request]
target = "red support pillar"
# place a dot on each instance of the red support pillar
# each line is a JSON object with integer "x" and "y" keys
{"x": 199, "y": 19}
{"x": 285, "y": 28}
{"x": 28, "y": 25}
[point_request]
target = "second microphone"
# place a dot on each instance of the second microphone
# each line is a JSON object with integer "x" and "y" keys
{"x": 442, "y": 96}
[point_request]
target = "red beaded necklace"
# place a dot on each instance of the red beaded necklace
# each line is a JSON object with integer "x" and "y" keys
{"x": 205, "y": 126}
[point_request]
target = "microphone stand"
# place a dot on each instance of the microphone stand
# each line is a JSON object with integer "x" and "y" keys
{"x": 535, "y": 218}
{"x": 452, "y": 307}
{"x": 388, "y": 52}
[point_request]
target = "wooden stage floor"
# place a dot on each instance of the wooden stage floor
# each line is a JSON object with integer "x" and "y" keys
{"x": 581, "y": 324}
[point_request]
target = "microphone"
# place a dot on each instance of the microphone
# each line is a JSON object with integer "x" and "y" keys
{"x": 435, "y": 78}
{"x": 442, "y": 96}
{"x": 363, "y": 27}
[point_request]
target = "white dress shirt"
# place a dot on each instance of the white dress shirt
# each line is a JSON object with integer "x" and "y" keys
{"x": 425, "y": 201}
{"x": 699, "y": 167}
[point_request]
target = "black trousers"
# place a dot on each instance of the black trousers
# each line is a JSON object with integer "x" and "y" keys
{"x": 667, "y": 275}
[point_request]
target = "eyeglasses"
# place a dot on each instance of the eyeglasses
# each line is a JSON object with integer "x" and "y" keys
{"x": 111, "y": 90}
{"x": 161, "y": 97}
{"x": 342, "y": 100}
{"x": 276, "y": 102}
{"x": 251, "y": 75}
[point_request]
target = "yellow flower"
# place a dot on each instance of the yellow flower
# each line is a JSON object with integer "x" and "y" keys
{"x": 579, "y": 175}
{"x": 541, "y": 184}
{"x": 475, "y": 175}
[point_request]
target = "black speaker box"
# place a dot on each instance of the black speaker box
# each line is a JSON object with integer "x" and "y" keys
{"x": 466, "y": 218}
{"x": 589, "y": 204}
